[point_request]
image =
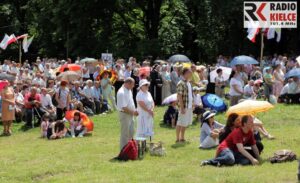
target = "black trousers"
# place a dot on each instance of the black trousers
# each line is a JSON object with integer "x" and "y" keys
{"x": 97, "y": 106}
{"x": 34, "y": 111}
{"x": 60, "y": 113}
{"x": 294, "y": 98}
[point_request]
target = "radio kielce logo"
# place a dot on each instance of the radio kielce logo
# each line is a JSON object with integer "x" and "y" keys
{"x": 281, "y": 14}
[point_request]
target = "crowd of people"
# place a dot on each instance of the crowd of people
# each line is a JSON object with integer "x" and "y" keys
{"x": 35, "y": 93}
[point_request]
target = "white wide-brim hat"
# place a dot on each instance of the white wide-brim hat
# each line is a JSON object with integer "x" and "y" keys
{"x": 143, "y": 82}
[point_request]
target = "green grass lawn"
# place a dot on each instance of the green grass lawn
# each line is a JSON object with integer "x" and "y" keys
{"x": 24, "y": 157}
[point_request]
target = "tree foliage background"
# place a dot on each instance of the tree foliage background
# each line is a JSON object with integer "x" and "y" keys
{"x": 201, "y": 29}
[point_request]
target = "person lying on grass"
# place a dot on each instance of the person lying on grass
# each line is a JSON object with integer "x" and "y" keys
{"x": 210, "y": 130}
{"x": 231, "y": 151}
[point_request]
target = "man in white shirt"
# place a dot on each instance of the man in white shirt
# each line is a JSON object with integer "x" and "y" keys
{"x": 39, "y": 81}
{"x": 14, "y": 70}
{"x": 127, "y": 111}
{"x": 248, "y": 90}
{"x": 294, "y": 90}
{"x": 97, "y": 96}
{"x": 89, "y": 93}
{"x": 46, "y": 102}
{"x": 5, "y": 66}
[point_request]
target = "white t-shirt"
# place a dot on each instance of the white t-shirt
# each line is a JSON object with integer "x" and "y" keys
{"x": 88, "y": 91}
{"x": 46, "y": 100}
{"x": 125, "y": 99}
{"x": 39, "y": 81}
{"x": 190, "y": 93}
{"x": 248, "y": 90}
{"x": 5, "y": 68}
{"x": 14, "y": 70}
{"x": 238, "y": 83}
{"x": 87, "y": 72}
{"x": 197, "y": 100}
{"x": 285, "y": 89}
{"x": 62, "y": 96}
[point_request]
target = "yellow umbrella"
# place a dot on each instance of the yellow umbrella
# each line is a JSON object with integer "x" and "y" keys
{"x": 250, "y": 107}
{"x": 187, "y": 65}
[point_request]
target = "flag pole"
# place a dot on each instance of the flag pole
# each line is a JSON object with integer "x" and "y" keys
{"x": 20, "y": 52}
{"x": 261, "y": 45}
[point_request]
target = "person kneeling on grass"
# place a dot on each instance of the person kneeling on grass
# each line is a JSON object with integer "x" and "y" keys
{"x": 76, "y": 127}
{"x": 171, "y": 114}
{"x": 231, "y": 150}
{"x": 210, "y": 130}
{"x": 56, "y": 130}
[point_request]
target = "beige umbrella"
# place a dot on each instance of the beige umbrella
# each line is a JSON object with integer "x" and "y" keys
{"x": 69, "y": 76}
{"x": 250, "y": 107}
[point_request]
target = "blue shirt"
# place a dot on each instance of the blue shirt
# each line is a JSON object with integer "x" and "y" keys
{"x": 96, "y": 93}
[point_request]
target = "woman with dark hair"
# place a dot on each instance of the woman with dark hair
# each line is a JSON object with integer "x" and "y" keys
{"x": 56, "y": 130}
{"x": 210, "y": 130}
{"x": 219, "y": 83}
{"x": 234, "y": 121}
{"x": 76, "y": 126}
{"x": 236, "y": 88}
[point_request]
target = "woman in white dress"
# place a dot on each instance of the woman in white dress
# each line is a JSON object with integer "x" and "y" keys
{"x": 145, "y": 107}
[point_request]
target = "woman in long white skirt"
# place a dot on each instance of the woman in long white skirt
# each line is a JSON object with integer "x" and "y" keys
{"x": 145, "y": 107}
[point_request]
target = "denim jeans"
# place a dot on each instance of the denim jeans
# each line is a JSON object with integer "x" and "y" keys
{"x": 241, "y": 159}
{"x": 225, "y": 157}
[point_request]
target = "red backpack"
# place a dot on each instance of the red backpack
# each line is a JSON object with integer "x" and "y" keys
{"x": 129, "y": 151}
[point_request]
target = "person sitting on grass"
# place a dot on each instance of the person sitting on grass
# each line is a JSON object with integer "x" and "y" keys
{"x": 231, "y": 151}
{"x": 234, "y": 121}
{"x": 210, "y": 130}
{"x": 198, "y": 105}
{"x": 56, "y": 130}
{"x": 44, "y": 125}
{"x": 76, "y": 126}
{"x": 171, "y": 114}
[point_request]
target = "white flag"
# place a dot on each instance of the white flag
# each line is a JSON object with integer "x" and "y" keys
{"x": 271, "y": 33}
{"x": 278, "y": 34}
{"x": 26, "y": 43}
{"x": 4, "y": 42}
{"x": 252, "y": 32}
